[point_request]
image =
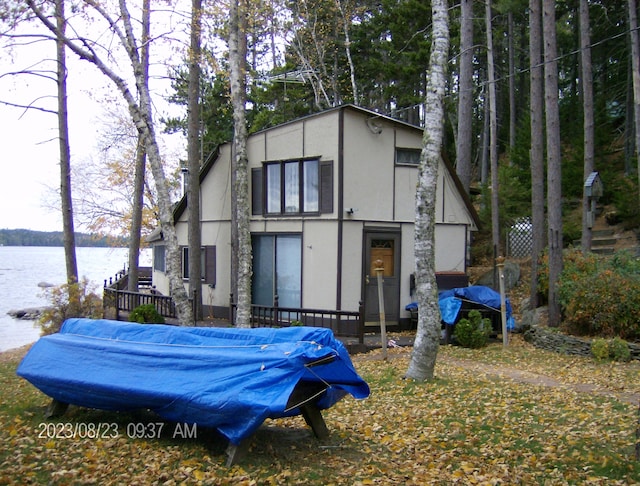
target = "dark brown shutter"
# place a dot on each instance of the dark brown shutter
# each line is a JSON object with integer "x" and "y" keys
{"x": 326, "y": 186}
{"x": 256, "y": 191}
{"x": 210, "y": 265}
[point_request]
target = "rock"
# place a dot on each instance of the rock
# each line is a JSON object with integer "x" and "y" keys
{"x": 30, "y": 314}
{"x": 45, "y": 285}
{"x": 511, "y": 277}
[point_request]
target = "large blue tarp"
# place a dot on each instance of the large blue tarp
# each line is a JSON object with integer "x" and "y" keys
{"x": 229, "y": 379}
{"x": 450, "y": 302}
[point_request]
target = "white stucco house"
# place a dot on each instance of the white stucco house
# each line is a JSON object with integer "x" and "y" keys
{"x": 330, "y": 194}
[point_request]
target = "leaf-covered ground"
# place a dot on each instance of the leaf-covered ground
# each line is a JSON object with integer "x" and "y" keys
{"x": 492, "y": 416}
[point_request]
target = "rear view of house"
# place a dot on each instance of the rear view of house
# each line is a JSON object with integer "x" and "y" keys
{"x": 331, "y": 193}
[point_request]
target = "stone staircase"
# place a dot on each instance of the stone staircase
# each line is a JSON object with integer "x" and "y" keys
{"x": 603, "y": 241}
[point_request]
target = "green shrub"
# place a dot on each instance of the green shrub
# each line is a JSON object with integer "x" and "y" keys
{"x": 146, "y": 314}
{"x": 619, "y": 350}
{"x": 70, "y": 300}
{"x": 600, "y": 349}
{"x": 615, "y": 349}
{"x": 599, "y": 295}
{"x": 473, "y": 332}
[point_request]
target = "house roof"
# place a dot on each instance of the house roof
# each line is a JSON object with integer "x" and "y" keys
{"x": 181, "y": 206}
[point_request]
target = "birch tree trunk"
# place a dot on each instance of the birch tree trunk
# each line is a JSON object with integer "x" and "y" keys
{"x": 425, "y": 348}
{"x": 193, "y": 156}
{"x": 140, "y": 166}
{"x": 537, "y": 145}
{"x": 237, "y": 50}
{"x": 635, "y": 67}
{"x": 65, "y": 159}
{"x": 588, "y": 123}
{"x": 464, "y": 143}
{"x": 347, "y": 47}
{"x": 142, "y": 116}
{"x": 554, "y": 190}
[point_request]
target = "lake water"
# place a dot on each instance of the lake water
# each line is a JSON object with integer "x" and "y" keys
{"x": 22, "y": 268}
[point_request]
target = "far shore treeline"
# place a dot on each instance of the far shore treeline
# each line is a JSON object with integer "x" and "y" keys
{"x": 24, "y": 237}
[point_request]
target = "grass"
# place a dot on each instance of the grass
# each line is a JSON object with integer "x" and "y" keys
{"x": 467, "y": 426}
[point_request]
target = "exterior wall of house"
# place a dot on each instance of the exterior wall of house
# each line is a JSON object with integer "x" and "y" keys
{"x": 380, "y": 192}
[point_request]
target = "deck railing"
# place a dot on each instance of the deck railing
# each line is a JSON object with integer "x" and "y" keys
{"x": 342, "y": 323}
{"x": 125, "y": 301}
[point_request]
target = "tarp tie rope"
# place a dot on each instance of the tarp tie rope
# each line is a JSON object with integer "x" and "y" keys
{"x": 308, "y": 366}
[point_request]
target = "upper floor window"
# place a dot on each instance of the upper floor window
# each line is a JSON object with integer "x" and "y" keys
{"x": 408, "y": 156}
{"x": 293, "y": 187}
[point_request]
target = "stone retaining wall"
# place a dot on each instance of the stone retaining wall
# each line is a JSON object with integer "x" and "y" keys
{"x": 564, "y": 344}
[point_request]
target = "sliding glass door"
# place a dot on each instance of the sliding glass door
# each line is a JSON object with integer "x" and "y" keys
{"x": 277, "y": 269}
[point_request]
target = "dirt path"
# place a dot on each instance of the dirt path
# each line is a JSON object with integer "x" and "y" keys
{"x": 520, "y": 376}
{"x": 516, "y": 375}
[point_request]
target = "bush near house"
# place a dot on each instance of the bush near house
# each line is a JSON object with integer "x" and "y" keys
{"x": 474, "y": 331}
{"x": 146, "y": 314}
{"x": 599, "y": 295}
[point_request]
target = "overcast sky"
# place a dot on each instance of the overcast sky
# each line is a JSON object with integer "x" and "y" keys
{"x": 29, "y": 153}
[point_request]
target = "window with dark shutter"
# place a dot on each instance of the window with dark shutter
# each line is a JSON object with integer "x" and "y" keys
{"x": 299, "y": 186}
{"x": 256, "y": 191}
{"x": 326, "y": 186}
{"x": 210, "y": 265}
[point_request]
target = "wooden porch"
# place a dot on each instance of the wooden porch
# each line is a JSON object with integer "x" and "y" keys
{"x": 119, "y": 302}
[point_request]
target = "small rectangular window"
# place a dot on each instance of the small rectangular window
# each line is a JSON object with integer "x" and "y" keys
{"x": 408, "y": 156}
{"x": 159, "y": 258}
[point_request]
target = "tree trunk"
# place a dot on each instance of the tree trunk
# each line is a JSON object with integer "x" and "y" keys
{"x": 347, "y": 47}
{"x": 554, "y": 155}
{"x": 140, "y": 166}
{"x": 194, "y": 158}
{"x": 493, "y": 135}
{"x": 537, "y": 145}
{"x": 513, "y": 109}
{"x": 588, "y": 123}
{"x": 425, "y": 348}
{"x": 237, "y": 50}
{"x": 464, "y": 143}
{"x": 65, "y": 161}
{"x": 635, "y": 67}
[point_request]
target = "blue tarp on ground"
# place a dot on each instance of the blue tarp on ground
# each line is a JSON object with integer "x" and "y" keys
{"x": 228, "y": 379}
{"x": 450, "y": 302}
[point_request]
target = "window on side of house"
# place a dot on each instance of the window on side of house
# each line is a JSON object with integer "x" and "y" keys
{"x": 291, "y": 187}
{"x": 207, "y": 264}
{"x": 407, "y": 156}
{"x": 159, "y": 258}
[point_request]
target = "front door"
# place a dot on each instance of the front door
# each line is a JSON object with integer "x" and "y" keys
{"x": 384, "y": 246}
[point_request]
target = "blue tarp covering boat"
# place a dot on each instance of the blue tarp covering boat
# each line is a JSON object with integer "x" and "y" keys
{"x": 229, "y": 379}
{"x": 450, "y": 302}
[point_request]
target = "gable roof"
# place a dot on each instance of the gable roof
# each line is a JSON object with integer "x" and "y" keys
{"x": 181, "y": 206}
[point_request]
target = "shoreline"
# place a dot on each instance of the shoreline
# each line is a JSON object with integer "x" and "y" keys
{"x": 14, "y": 353}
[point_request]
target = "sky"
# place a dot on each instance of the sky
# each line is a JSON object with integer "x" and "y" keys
{"x": 29, "y": 152}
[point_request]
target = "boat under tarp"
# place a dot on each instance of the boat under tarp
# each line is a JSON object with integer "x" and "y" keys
{"x": 229, "y": 379}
